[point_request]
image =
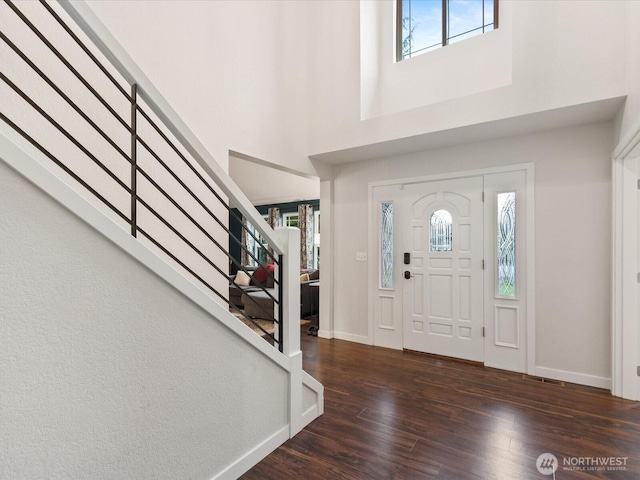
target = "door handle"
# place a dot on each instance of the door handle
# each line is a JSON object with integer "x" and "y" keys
{"x": 407, "y": 274}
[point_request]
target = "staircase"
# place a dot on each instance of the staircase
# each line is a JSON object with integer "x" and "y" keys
{"x": 121, "y": 357}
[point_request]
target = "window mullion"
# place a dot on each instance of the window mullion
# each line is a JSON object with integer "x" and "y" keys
{"x": 445, "y": 19}
{"x": 399, "y": 30}
{"x": 483, "y": 20}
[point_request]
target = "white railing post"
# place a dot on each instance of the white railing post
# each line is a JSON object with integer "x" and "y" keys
{"x": 290, "y": 240}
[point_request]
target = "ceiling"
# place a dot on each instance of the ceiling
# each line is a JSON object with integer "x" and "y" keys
{"x": 264, "y": 184}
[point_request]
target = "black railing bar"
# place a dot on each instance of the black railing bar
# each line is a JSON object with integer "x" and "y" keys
{"x": 233, "y": 237}
{"x": 243, "y": 267}
{"x": 193, "y": 169}
{"x": 179, "y": 207}
{"x": 200, "y": 177}
{"x": 89, "y": 23}
{"x": 86, "y": 50}
{"x": 134, "y": 161}
{"x": 250, "y": 274}
{"x": 181, "y": 236}
{"x": 63, "y": 166}
{"x": 182, "y": 264}
{"x": 240, "y": 218}
{"x": 179, "y": 180}
{"x": 179, "y": 262}
{"x": 193, "y": 195}
{"x": 71, "y": 103}
{"x": 186, "y": 240}
{"x": 195, "y": 223}
{"x": 185, "y": 213}
{"x": 248, "y": 318}
{"x": 268, "y": 315}
{"x": 66, "y": 63}
{"x": 181, "y": 155}
{"x": 281, "y": 305}
{"x": 63, "y": 131}
{"x": 250, "y": 253}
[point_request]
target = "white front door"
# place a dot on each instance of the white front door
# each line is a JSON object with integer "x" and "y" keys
{"x": 443, "y": 260}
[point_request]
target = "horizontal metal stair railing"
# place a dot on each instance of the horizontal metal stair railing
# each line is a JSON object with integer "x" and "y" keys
{"x": 110, "y": 131}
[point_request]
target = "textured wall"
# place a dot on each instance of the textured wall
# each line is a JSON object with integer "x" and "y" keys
{"x": 107, "y": 371}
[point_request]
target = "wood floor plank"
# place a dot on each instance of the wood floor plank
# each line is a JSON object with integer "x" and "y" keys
{"x": 399, "y": 415}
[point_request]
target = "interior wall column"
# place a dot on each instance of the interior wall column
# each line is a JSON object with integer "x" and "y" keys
{"x": 326, "y": 259}
{"x": 625, "y": 332}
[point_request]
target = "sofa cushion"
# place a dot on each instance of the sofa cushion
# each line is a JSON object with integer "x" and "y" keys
{"x": 242, "y": 279}
{"x": 304, "y": 277}
{"x": 260, "y": 275}
{"x": 264, "y": 275}
{"x": 315, "y": 275}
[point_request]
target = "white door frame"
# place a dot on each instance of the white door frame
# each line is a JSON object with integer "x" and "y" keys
{"x": 530, "y": 237}
{"x": 625, "y": 348}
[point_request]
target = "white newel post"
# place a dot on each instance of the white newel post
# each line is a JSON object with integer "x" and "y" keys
{"x": 290, "y": 240}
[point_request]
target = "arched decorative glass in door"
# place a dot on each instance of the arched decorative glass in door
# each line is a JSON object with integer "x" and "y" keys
{"x": 440, "y": 231}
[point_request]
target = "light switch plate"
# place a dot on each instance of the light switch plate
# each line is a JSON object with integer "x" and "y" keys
{"x": 361, "y": 256}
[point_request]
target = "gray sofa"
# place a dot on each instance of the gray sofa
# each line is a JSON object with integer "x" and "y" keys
{"x": 259, "y": 302}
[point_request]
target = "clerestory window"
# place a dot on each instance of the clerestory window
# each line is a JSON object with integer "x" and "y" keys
{"x": 425, "y": 25}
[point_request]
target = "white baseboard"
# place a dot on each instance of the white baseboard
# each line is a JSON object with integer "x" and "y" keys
{"x": 352, "y": 338}
{"x": 325, "y": 334}
{"x": 310, "y": 415}
{"x": 573, "y": 377}
{"x": 253, "y": 457}
{"x": 317, "y": 409}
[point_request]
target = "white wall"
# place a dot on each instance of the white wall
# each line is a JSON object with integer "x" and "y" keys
{"x": 558, "y": 59}
{"x": 572, "y": 234}
{"x": 631, "y": 114}
{"x": 475, "y": 65}
{"x": 235, "y": 71}
{"x": 107, "y": 371}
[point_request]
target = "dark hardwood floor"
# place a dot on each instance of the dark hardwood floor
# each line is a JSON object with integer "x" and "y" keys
{"x": 395, "y": 415}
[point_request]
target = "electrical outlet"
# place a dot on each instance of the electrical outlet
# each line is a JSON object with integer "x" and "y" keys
{"x": 361, "y": 256}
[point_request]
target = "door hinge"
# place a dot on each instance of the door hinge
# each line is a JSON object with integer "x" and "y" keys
{"x": 639, "y": 184}
{"x": 638, "y": 277}
{"x": 638, "y": 371}
{"x": 483, "y": 336}
{"x": 483, "y": 263}
{"x": 483, "y": 192}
